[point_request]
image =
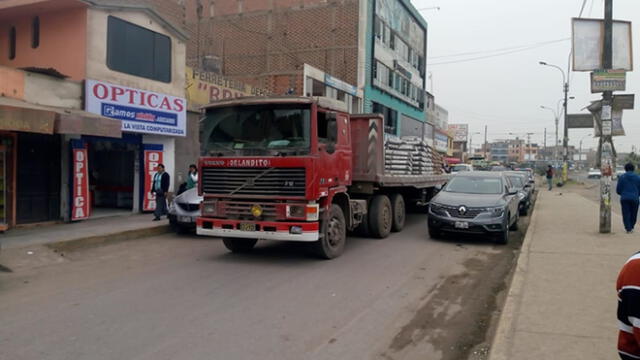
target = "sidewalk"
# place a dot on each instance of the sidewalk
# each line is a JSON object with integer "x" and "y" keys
{"x": 562, "y": 300}
{"x": 85, "y": 233}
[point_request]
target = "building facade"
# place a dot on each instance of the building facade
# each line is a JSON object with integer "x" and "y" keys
{"x": 108, "y": 63}
{"x": 368, "y": 54}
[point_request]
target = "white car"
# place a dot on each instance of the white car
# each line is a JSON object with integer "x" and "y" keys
{"x": 184, "y": 210}
{"x": 461, "y": 167}
{"x": 619, "y": 171}
{"x": 594, "y": 174}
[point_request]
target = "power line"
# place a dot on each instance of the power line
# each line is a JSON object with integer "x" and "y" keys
{"x": 500, "y": 49}
{"x": 494, "y": 55}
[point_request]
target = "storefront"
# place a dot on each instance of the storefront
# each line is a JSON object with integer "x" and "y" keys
{"x": 120, "y": 170}
{"x": 35, "y": 161}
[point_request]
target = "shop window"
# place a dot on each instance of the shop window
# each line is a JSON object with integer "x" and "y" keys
{"x": 318, "y": 88}
{"x": 12, "y": 43}
{"x": 35, "y": 32}
{"x": 134, "y": 50}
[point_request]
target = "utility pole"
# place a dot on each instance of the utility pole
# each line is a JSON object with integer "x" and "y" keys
{"x": 565, "y": 139}
{"x": 606, "y": 143}
{"x": 485, "y": 143}
{"x": 544, "y": 157}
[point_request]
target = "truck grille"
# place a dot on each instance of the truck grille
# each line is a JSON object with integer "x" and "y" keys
{"x": 254, "y": 181}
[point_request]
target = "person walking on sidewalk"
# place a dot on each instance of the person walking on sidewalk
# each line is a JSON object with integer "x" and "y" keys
{"x": 549, "y": 174}
{"x": 159, "y": 188}
{"x": 628, "y": 288}
{"x": 629, "y": 190}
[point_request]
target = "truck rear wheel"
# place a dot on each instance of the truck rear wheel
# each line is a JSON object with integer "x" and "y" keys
{"x": 237, "y": 245}
{"x": 380, "y": 216}
{"x": 399, "y": 212}
{"x": 334, "y": 234}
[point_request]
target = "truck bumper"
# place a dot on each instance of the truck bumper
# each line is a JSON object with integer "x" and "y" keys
{"x": 281, "y": 231}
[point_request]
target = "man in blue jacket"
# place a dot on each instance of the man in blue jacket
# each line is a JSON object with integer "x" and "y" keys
{"x": 629, "y": 190}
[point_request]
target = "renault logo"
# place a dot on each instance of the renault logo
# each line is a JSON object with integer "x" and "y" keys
{"x": 462, "y": 210}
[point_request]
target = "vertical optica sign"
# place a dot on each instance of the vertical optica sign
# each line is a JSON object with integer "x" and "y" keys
{"x": 80, "y": 207}
{"x": 152, "y": 158}
{"x": 141, "y": 111}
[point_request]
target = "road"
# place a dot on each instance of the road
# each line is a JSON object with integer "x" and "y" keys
{"x": 184, "y": 297}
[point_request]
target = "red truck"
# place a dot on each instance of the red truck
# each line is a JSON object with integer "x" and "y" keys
{"x": 300, "y": 169}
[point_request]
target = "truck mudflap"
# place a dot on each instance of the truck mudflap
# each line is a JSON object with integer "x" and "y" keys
{"x": 261, "y": 230}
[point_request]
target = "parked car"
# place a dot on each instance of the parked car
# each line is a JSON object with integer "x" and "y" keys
{"x": 594, "y": 174}
{"x": 475, "y": 203}
{"x": 184, "y": 210}
{"x": 520, "y": 180}
{"x": 496, "y": 168}
{"x": 461, "y": 168}
{"x": 619, "y": 172}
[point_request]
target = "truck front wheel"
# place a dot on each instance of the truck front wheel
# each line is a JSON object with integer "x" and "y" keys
{"x": 334, "y": 234}
{"x": 380, "y": 216}
{"x": 399, "y": 212}
{"x": 237, "y": 245}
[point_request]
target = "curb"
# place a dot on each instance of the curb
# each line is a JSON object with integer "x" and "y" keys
{"x": 111, "y": 238}
{"x": 501, "y": 344}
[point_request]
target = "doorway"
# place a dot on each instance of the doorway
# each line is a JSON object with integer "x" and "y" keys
{"x": 111, "y": 176}
{"x": 38, "y": 178}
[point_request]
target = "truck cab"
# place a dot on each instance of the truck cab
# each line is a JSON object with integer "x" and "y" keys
{"x": 276, "y": 168}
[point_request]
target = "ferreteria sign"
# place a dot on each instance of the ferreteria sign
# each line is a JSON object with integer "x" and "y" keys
{"x": 204, "y": 87}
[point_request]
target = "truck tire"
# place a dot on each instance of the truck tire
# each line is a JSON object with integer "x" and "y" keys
{"x": 380, "y": 216}
{"x": 334, "y": 234}
{"x": 237, "y": 245}
{"x": 399, "y": 212}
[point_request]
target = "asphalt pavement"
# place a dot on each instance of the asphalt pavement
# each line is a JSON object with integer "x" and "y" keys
{"x": 185, "y": 297}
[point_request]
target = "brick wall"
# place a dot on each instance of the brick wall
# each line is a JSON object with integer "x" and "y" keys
{"x": 272, "y": 39}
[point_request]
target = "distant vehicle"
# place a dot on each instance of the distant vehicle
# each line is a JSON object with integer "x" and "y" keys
{"x": 184, "y": 210}
{"x": 619, "y": 171}
{"x": 475, "y": 203}
{"x": 461, "y": 168}
{"x": 594, "y": 174}
{"x": 478, "y": 162}
{"x": 520, "y": 180}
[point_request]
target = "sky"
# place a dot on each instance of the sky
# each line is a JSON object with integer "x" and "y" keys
{"x": 505, "y": 92}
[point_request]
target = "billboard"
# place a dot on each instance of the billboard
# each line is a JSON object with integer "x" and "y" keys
{"x": 204, "y": 87}
{"x": 588, "y": 45}
{"x": 459, "y": 132}
{"x": 141, "y": 111}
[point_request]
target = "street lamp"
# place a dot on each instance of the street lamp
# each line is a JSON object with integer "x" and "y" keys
{"x": 580, "y": 151}
{"x": 565, "y": 140}
{"x": 555, "y": 144}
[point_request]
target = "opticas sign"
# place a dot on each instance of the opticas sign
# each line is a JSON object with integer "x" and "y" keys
{"x": 140, "y": 110}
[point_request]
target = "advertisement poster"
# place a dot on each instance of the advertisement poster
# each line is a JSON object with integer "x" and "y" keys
{"x": 152, "y": 157}
{"x": 141, "y": 111}
{"x": 80, "y": 208}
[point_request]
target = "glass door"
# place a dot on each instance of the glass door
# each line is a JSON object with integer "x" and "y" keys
{"x": 3, "y": 188}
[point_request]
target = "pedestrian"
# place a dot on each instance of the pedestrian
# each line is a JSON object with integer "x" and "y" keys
{"x": 629, "y": 190}
{"x": 549, "y": 174}
{"x": 628, "y": 288}
{"x": 192, "y": 177}
{"x": 159, "y": 188}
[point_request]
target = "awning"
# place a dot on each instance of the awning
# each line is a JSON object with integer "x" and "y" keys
{"x": 18, "y": 115}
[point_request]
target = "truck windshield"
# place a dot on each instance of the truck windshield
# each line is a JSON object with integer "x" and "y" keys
{"x": 272, "y": 129}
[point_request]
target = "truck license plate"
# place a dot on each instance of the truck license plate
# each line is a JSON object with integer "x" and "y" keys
{"x": 462, "y": 225}
{"x": 247, "y": 227}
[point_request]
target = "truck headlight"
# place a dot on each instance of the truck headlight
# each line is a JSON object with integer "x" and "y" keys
{"x": 296, "y": 212}
{"x": 210, "y": 208}
{"x": 313, "y": 212}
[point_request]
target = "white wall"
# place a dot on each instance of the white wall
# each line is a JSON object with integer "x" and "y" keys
{"x": 169, "y": 154}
